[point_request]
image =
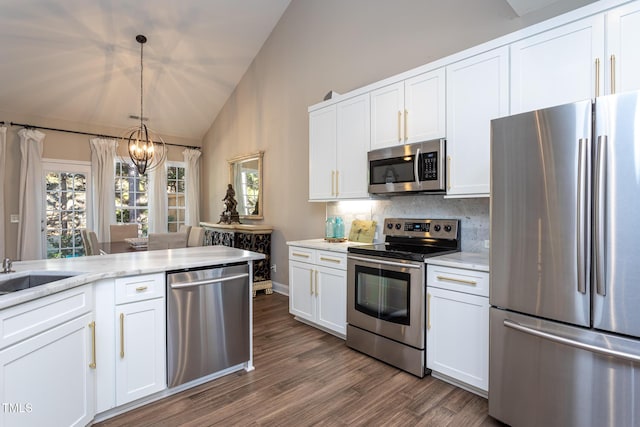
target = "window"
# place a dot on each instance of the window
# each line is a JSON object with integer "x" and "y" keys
{"x": 175, "y": 195}
{"x": 66, "y": 210}
{"x": 132, "y": 201}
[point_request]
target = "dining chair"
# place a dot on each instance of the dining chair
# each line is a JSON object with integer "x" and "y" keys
{"x": 85, "y": 241}
{"x": 167, "y": 241}
{"x": 90, "y": 242}
{"x": 196, "y": 237}
{"x": 119, "y": 232}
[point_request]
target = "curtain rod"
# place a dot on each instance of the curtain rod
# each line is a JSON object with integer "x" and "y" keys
{"x": 91, "y": 134}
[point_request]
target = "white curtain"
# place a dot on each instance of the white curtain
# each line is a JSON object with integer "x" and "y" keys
{"x": 3, "y": 153}
{"x": 30, "y": 210}
{"x": 103, "y": 160}
{"x": 158, "y": 199}
{"x": 192, "y": 184}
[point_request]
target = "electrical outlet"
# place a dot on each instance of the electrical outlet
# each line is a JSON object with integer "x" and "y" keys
{"x": 273, "y": 268}
{"x": 14, "y": 218}
{"x": 486, "y": 244}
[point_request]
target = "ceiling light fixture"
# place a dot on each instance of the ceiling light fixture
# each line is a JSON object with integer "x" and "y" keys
{"x": 146, "y": 150}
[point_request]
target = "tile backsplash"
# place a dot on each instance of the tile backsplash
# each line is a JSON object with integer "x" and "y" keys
{"x": 473, "y": 214}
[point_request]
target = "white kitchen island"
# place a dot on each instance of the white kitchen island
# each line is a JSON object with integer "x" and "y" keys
{"x": 93, "y": 345}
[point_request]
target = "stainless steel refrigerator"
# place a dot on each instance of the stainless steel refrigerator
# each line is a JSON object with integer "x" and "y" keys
{"x": 565, "y": 265}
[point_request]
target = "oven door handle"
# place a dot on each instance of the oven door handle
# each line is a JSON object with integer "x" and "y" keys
{"x": 389, "y": 263}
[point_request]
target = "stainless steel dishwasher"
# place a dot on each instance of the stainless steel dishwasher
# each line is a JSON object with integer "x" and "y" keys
{"x": 207, "y": 321}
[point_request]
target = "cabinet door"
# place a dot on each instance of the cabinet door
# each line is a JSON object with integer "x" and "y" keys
{"x": 623, "y": 60}
{"x": 559, "y": 66}
{"x": 322, "y": 153}
{"x": 301, "y": 291}
{"x": 477, "y": 92}
{"x": 458, "y": 336}
{"x": 46, "y": 380}
{"x": 424, "y": 107}
{"x": 331, "y": 295}
{"x": 353, "y": 139}
{"x": 387, "y": 111}
{"x": 141, "y": 349}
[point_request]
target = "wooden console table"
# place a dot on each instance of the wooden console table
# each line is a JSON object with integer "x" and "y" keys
{"x": 256, "y": 238}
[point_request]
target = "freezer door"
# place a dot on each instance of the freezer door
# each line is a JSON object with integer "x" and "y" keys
{"x": 616, "y": 205}
{"x": 540, "y": 213}
{"x": 545, "y": 373}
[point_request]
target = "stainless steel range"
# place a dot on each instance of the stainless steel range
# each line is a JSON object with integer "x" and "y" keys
{"x": 386, "y": 290}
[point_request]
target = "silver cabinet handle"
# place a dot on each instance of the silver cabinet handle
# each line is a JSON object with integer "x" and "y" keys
{"x": 311, "y": 282}
{"x": 573, "y": 343}
{"x": 300, "y": 255}
{"x": 337, "y": 261}
{"x": 406, "y": 133}
{"x": 208, "y": 281}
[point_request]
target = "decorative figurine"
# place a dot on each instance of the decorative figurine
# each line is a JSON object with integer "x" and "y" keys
{"x": 230, "y": 214}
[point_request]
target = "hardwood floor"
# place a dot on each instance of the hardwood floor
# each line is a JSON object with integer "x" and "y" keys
{"x": 305, "y": 377}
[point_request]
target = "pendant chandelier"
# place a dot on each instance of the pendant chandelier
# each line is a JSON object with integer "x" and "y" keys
{"x": 146, "y": 150}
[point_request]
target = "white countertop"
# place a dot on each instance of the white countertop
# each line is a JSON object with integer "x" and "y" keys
{"x": 91, "y": 268}
{"x": 470, "y": 260}
{"x": 325, "y": 245}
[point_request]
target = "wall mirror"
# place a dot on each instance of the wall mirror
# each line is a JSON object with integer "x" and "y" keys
{"x": 245, "y": 174}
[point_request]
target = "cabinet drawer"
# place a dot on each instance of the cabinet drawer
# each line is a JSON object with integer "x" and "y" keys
{"x": 139, "y": 288}
{"x": 458, "y": 279}
{"x": 332, "y": 259}
{"x": 26, "y": 320}
{"x": 302, "y": 254}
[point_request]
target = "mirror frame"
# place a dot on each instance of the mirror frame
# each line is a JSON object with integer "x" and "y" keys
{"x": 240, "y": 159}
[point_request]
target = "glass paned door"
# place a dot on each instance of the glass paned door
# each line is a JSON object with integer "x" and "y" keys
{"x": 67, "y": 192}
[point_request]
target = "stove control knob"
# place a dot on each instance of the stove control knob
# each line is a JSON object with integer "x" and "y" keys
{"x": 447, "y": 228}
{"x": 390, "y": 225}
{"x": 398, "y": 226}
{"x": 436, "y": 227}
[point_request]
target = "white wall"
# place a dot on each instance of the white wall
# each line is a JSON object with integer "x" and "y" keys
{"x": 322, "y": 45}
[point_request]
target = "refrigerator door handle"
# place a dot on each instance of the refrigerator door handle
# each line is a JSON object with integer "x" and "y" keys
{"x": 570, "y": 342}
{"x": 581, "y": 211}
{"x": 599, "y": 238}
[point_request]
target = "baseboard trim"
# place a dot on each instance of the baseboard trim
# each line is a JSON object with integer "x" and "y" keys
{"x": 280, "y": 288}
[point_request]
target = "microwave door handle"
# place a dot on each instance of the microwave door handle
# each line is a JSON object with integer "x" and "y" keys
{"x": 416, "y": 164}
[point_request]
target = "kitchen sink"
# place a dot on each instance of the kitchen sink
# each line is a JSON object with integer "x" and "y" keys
{"x": 30, "y": 281}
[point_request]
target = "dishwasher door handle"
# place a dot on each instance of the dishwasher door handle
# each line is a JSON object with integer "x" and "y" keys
{"x": 208, "y": 281}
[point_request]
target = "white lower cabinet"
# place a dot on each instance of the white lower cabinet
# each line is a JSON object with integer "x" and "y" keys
{"x": 140, "y": 352}
{"x": 458, "y": 326}
{"x": 131, "y": 339}
{"x": 47, "y": 379}
{"x": 318, "y": 288}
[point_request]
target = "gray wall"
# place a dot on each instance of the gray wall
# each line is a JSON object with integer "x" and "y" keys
{"x": 340, "y": 45}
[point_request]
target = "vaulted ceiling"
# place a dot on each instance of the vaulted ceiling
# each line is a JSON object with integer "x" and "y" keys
{"x": 78, "y": 60}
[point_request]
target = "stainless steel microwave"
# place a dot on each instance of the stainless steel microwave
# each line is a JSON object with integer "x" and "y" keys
{"x": 418, "y": 167}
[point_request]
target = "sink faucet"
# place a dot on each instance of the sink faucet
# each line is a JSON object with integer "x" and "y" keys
{"x": 6, "y": 265}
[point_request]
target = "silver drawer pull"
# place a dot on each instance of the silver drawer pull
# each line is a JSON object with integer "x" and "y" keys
{"x": 337, "y": 261}
{"x": 451, "y": 279}
{"x": 300, "y": 255}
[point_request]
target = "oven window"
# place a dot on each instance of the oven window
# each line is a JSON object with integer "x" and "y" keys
{"x": 392, "y": 171}
{"x": 383, "y": 294}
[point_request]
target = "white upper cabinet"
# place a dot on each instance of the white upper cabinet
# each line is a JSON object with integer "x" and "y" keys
{"x": 562, "y": 65}
{"x": 409, "y": 111}
{"x": 339, "y": 137}
{"x": 353, "y": 144}
{"x": 322, "y": 153}
{"x": 477, "y": 92}
{"x": 623, "y": 58}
